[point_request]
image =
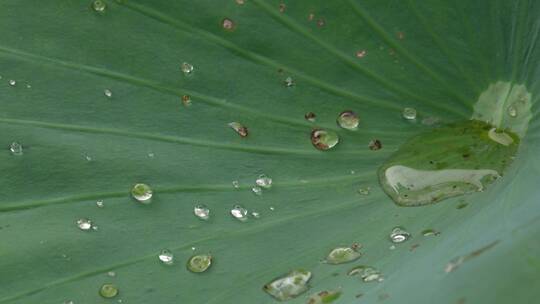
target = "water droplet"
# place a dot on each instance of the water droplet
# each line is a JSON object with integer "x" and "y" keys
{"x": 321, "y": 22}
{"x": 88, "y": 158}
{"x": 239, "y": 128}
{"x": 311, "y": 16}
{"x": 186, "y": 100}
{"x": 400, "y": 35}
{"x": 348, "y": 120}
{"x": 186, "y": 68}
{"x": 84, "y": 224}
{"x": 166, "y": 257}
{"x": 327, "y": 296}
{"x": 16, "y": 148}
{"x": 99, "y": 6}
{"x": 361, "y": 53}
{"x": 239, "y": 213}
{"x": 68, "y": 302}
{"x": 100, "y": 204}
{"x": 282, "y": 7}
{"x": 111, "y": 274}
{"x": 392, "y": 247}
{"x": 289, "y": 286}
{"x": 108, "y": 291}
{"x": 430, "y": 232}
{"x": 365, "y": 190}
{"x": 272, "y": 208}
{"x": 409, "y": 113}
{"x": 107, "y": 93}
{"x": 28, "y": 86}
{"x": 264, "y": 181}
{"x": 240, "y": 2}
{"x": 257, "y": 190}
{"x": 324, "y": 139}
{"x": 289, "y": 82}
{"x": 201, "y": 211}
{"x": 228, "y": 24}
{"x": 512, "y": 111}
{"x": 367, "y": 273}
{"x": 342, "y": 255}
{"x": 375, "y": 145}
{"x": 199, "y": 263}
{"x": 310, "y": 116}
{"x": 142, "y": 193}
{"x": 95, "y": 228}
{"x": 12, "y": 82}
{"x": 236, "y": 184}
{"x": 399, "y": 235}
{"x": 255, "y": 214}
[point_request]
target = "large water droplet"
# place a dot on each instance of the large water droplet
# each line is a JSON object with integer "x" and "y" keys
{"x": 399, "y": 235}
{"x": 239, "y": 213}
{"x": 16, "y": 148}
{"x": 451, "y": 160}
{"x": 142, "y": 193}
{"x": 409, "y": 113}
{"x": 199, "y": 263}
{"x": 348, "y": 120}
{"x": 202, "y": 211}
{"x": 289, "y": 286}
{"x": 84, "y": 224}
{"x": 324, "y": 139}
{"x": 342, "y": 255}
{"x": 166, "y": 257}
{"x": 99, "y": 6}
{"x": 186, "y": 68}
{"x": 108, "y": 291}
{"x": 264, "y": 181}
{"x": 323, "y": 297}
{"x": 367, "y": 273}
{"x": 239, "y": 128}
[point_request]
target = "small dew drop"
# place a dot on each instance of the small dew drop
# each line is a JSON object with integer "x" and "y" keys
{"x": 367, "y": 273}
{"x": 28, "y": 86}
{"x": 111, "y": 274}
{"x": 236, "y": 184}
{"x": 375, "y": 145}
{"x": 256, "y": 190}
{"x": 321, "y": 22}
{"x": 400, "y": 35}
{"x": 228, "y": 24}
{"x": 240, "y": 2}
{"x": 108, "y": 291}
{"x": 142, "y": 193}
{"x": 239, "y": 128}
{"x": 186, "y": 68}
{"x": 311, "y": 17}
{"x": 348, "y": 120}
{"x": 199, "y": 263}
{"x": 282, "y": 7}
{"x": 289, "y": 286}
{"x": 202, "y": 211}
{"x": 409, "y": 113}
{"x": 255, "y": 214}
{"x": 166, "y": 257}
{"x": 324, "y": 139}
{"x": 107, "y": 93}
{"x": 12, "y": 82}
{"x": 186, "y": 100}
{"x": 16, "y": 148}
{"x": 84, "y": 224}
{"x": 364, "y": 190}
{"x": 361, "y": 53}
{"x": 99, "y": 6}
{"x": 272, "y": 208}
{"x": 310, "y": 116}
{"x": 239, "y": 213}
{"x": 430, "y": 232}
{"x": 512, "y": 111}
{"x": 399, "y": 235}
{"x": 289, "y": 82}
{"x": 264, "y": 181}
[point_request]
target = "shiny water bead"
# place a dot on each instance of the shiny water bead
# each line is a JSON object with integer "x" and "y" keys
{"x": 186, "y": 68}
{"x": 84, "y": 224}
{"x": 310, "y": 116}
{"x": 409, "y": 113}
{"x": 199, "y": 263}
{"x": 366, "y": 273}
{"x": 12, "y": 82}
{"x": 255, "y": 214}
{"x": 512, "y": 111}
{"x": 324, "y": 139}
{"x": 399, "y": 235}
{"x": 239, "y": 128}
{"x": 99, "y": 6}
{"x": 186, "y": 100}
{"x": 108, "y": 291}
{"x": 236, "y": 184}
{"x": 321, "y": 22}
{"x": 289, "y": 82}
{"x": 228, "y": 24}
{"x": 365, "y": 190}
{"x": 323, "y": 297}
{"x": 361, "y": 53}
{"x": 202, "y": 211}
{"x": 375, "y": 145}
{"x": 239, "y": 213}
{"x": 256, "y": 190}
{"x": 100, "y": 204}
{"x": 289, "y": 286}
{"x": 111, "y": 274}
{"x": 142, "y": 193}
{"x": 166, "y": 257}
{"x": 16, "y": 148}
{"x": 348, "y": 120}
{"x": 107, "y": 93}
{"x": 342, "y": 255}
{"x": 264, "y": 181}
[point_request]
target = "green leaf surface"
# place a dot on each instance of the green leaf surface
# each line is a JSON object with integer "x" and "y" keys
{"x": 374, "y": 57}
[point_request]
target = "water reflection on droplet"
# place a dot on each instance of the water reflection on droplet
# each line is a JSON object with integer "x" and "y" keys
{"x": 348, "y": 120}
{"x": 108, "y": 291}
{"x": 186, "y": 68}
{"x": 12, "y": 82}
{"x": 324, "y": 139}
{"x": 107, "y": 93}
{"x": 289, "y": 82}
{"x": 289, "y": 286}
{"x": 264, "y": 181}
{"x": 239, "y": 213}
{"x": 199, "y": 263}
{"x": 16, "y": 148}
{"x": 202, "y": 211}
{"x": 239, "y": 128}
{"x": 166, "y": 257}
{"x": 236, "y": 184}
{"x": 142, "y": 193}
{"x": 399, "y": 235}
{"x": 99, "y": 6}
{"x": 367, "y": 273}
{"x": 84, "y": 224}
{"x": 409, "y": 113}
